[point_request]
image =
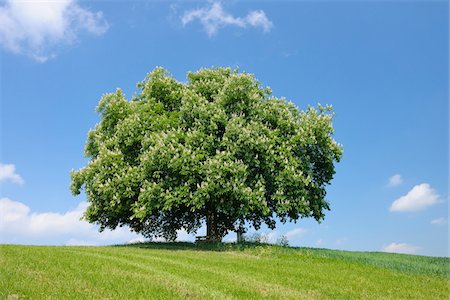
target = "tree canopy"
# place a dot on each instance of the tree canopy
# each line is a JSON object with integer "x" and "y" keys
{"x": 218, "y": 149}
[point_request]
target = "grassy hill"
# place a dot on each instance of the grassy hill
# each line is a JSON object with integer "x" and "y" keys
{"x": 221, "y": 271}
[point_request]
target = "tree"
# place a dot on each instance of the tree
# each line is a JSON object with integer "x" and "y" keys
{"x": 218, "y": 149}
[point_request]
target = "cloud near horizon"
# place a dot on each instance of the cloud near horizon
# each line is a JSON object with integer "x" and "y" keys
{"x": 418, "y": 198}
{"x": 401, "y": 248}
{"x": 215, "y": 17}
{"x": 38, "y": 29}
{"x": 19, "y": 225}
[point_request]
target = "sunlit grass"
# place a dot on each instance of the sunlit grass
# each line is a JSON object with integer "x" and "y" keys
{"x": 216, "y": 271}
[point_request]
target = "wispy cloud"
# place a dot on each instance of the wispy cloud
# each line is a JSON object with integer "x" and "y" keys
{"x": 419, "y": 197}
{"x": 296, "y": 233}
{"x": 39, "y": 28}
{"x": 440, "y": 221}
{"x": 395, "y": 180}
{"x": 341, "y": 241}
{"x": 401, "y": 248}
{"x": 214, "y": 17}
{"x": 8, "y": 173}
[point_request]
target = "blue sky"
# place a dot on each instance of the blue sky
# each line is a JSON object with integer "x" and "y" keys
{"x": 382, "y": 65}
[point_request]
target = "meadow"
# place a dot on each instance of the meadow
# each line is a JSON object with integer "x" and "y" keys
{"x": 216, "y": 271}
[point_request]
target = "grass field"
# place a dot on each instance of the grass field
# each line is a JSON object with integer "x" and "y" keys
{"x": 221, "y": 271}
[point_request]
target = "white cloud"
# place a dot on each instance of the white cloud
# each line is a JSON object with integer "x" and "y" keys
{"x": 270, "y": 237}
{"x": 37, "y": 28}
{"x": 8, "y": 172}
{"x": 295, "y": 233}
{"x": 230, "y": 238}
{"x": 18, "y": 225}
{"x": 440, "y": 221}
{"x": 11, "y": 211}
{"x": 251, "y": 234}
{"x": 257, "y": 18}
{"x": 320, "y": 242}
{"x": 395, "y": 180}
{"x": 137, "y": 240}
{"x": 75, "y": 242}
{"x": 215, "y": 17}
{"x": 183, "y": 236}
{"x": 401, "y": 248}
{"x": 419, "y": 197}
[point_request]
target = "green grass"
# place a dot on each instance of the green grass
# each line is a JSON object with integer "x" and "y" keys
{"x": 216, "y": 271}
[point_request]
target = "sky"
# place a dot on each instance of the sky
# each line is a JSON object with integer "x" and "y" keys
{"x": 383, "y": 65}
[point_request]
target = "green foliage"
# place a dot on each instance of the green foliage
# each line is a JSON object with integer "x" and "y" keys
{"x": 216, "y": 271}
{"x": 218, "y": 148}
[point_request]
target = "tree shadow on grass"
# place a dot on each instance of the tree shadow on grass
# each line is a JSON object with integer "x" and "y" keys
{"x": 199, "y": 246}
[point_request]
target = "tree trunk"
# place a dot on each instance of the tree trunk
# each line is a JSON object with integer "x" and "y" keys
{"x": 239, "y": 236}
{"x": 211, "y": 225}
